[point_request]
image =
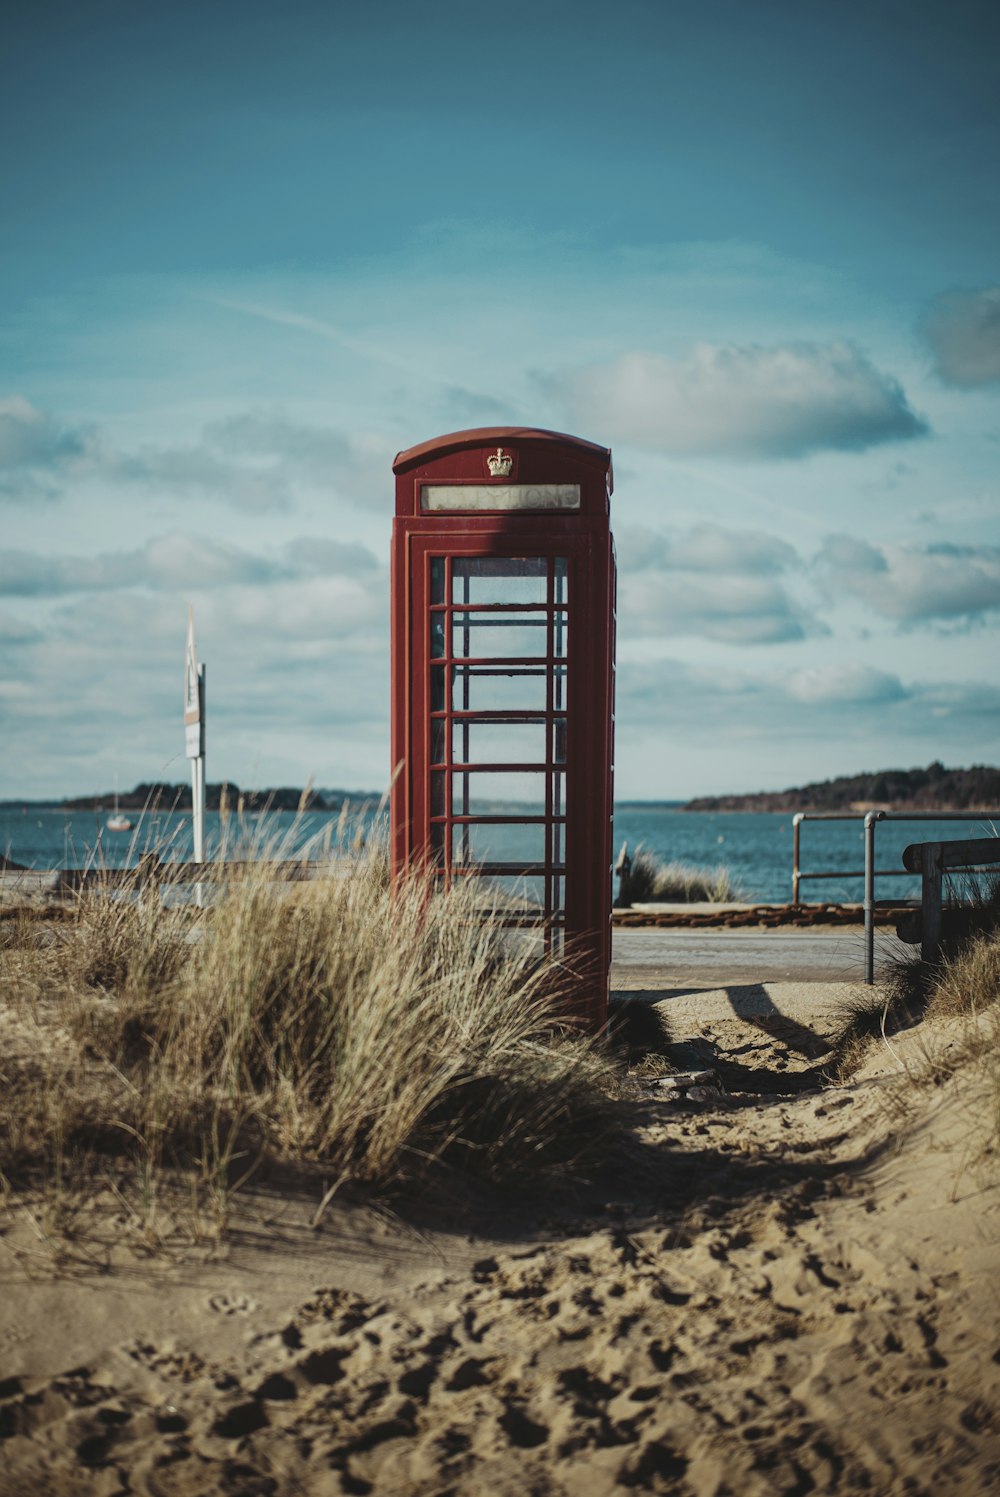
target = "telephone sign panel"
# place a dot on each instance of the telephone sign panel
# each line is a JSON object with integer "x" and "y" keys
{"x": 503, "y": 635}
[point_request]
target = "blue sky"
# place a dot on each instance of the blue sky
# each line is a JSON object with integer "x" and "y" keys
{"x": 247, "y": 252}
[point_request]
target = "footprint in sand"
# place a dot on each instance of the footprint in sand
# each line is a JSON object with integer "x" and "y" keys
{"x": 231, "y": 1304}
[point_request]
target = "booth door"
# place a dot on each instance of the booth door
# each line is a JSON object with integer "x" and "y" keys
{"x": 498, "y": 635}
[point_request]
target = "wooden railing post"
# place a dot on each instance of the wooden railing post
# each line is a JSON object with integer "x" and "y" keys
{"x": 930, "y": 901}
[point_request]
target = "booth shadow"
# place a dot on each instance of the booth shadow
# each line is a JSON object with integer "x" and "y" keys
{"x": 753, "y": 1004}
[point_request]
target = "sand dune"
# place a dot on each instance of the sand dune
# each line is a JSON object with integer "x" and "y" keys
{"x": 798, "y": 1295}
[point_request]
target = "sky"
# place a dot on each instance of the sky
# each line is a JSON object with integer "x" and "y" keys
{"x": 250, "y": 251}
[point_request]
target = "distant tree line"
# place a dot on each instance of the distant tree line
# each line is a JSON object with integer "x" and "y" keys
{"x": 932, "y": 789}
{"x": 223, "y": 795}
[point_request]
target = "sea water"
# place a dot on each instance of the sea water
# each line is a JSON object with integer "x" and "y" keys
{"x": 755, "y": 847}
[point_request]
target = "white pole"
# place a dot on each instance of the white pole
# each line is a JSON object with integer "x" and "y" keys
{"x": 198, "y": 768}
{"x": 198, "y": 777}
{"x": 194, "y": 742}
{"x": 197, "y": 780}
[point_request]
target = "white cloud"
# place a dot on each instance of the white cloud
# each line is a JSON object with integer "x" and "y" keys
{"x": 35, "y": 451}
{"x": 680, "y": 727}
{"x": 844, "y": 684}
{"x": 913, "y": 583}
{"x": 847, "y": 553}
{"x": 331, "y": 610}
{"x": 750, "y": 402}
{"x": 28, "y": 437}
{"x": 355, "y": 464}
{"x": 255, "y": 462}
{"x": 969, "y": 699}
{"x": 15, "y": 631}
{"x": 730, "y": 610}
{"x": 704, "y": 548}
{"x": 963, "y": 330}
{"x": 315, "y": 555}
{"x": 711, "y": 582}
{"x": 179, "y": 562}
{"x": 298, "y": 685}
{"x": 197, "y": 472}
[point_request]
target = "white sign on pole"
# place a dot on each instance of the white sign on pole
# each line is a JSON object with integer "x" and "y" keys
{"x": 194, "y": 705}
{"x": 194, "y": 738}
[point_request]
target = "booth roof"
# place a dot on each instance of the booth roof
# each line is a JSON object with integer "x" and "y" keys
{"x": 483, "y": 436}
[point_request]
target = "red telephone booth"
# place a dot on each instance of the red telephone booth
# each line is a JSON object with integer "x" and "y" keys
{"x": 503, "y": 638}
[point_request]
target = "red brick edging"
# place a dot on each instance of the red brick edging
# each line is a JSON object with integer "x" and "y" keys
{"x": 764, "y": 917}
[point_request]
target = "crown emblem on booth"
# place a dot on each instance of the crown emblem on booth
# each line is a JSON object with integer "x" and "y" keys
{"x": 500, "y": 463}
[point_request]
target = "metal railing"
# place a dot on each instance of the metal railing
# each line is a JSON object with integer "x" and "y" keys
{"x": 797, "y": 873}
{"x": 869, "y": 873}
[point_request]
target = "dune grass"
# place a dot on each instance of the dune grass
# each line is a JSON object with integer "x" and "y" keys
{"x": 969, "y": 981}
{"x": 380, "y": 1035}
{"x": 963, "y": 982}
{"x": 650, "y": 880}
{"x": 950, "y": 1052}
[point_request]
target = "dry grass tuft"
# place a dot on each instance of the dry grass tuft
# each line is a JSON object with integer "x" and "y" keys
{"x": 376, "y": 1034}
{"x": 963, "y": 982}
{"x": 866, "y": 1019}
{"x": 969, "y": 981}
{"x": 649, "y": 881}
{"x": 639, "y": 1032}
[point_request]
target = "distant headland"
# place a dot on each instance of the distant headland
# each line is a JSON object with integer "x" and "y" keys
{"x": 932, "y": 789}
{"x": 221, "y": 796}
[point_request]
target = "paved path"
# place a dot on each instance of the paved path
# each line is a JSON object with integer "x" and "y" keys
{"x": 649, "y": 959}
{"x": 737, "y": 998}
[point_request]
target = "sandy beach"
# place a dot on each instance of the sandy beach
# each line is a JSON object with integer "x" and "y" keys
{"x": 794, "y": 1291}
{"x": 500, "y": 711}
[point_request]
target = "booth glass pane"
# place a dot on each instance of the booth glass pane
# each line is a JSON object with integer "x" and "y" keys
{"x": 437, "y": 579}
{"x": 524, "y": 945}
{"x": 479, "y": 793}
{"x": 561, "y": 580}
{"x": 499, "y": 579}
{"x": 514, "y": 894}
{"x": 493, "y": 635}
{"x": 438, "y": 635}
{"x": 439, "y": 738}
{"x": 559, "y": 740}
{"x": 558, "y": 844}
{"x": 559, "y": 693}
{"x": 437, "y": 688}
{"x": 558, "y": 896}
{"x": 438, "y": 794}
{"x": 559, "y": 793}
{"x": 516, "y": 842}
{"x": 488, "y": 688}
{"x": 560, "y": 634}
{"x": 500, "y": 742}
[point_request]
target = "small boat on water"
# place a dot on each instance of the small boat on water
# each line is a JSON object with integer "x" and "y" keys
{"x": 118, "y": 821}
